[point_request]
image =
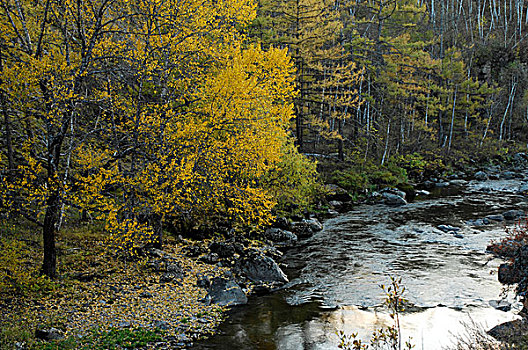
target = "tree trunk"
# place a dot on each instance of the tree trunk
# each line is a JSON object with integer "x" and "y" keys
{"x": 49, "y": 265}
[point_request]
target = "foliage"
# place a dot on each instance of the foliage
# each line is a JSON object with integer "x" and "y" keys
{"x": 516, "y": 238}
{"x": 17, "y": 275}
{"x": 383, "y": 338}
{"x": 294, "y": 180}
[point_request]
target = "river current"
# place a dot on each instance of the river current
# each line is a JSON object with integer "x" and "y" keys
{"x": 451, "y": 281}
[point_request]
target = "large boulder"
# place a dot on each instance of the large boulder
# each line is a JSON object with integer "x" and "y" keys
{"x": 336, "y": 193}
{"x": 224, "y": 291}
{"x": 303, "y": 229}
{"x": 314, "y": 224}
{"x": 223, "y": 249}
{"x": 393, "y": 199}
{"x": 260, "y": 269}
{"x": 280, "y": 236}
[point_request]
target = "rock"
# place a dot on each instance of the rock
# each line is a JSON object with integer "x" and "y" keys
{"x": 501, "y": 305}
{"x": 174, "y": 268}
{"x": 523, "y": 189}
{"x": 314, "y": 224}
{"x": 224, "y": 291}
{"x": 303, "y": 229}
{"x": 332, "y": 213}
{"x": 145, "y": 295}
{"x": 161, "y": 325}
{"x": 336, "y": 193}
{"x": 513, "y": 214}
{"x": 124, "y": 324}
{"x": 393, "y": 199}
{"x": 496, "y": 217}
{"x": 261, "y": 269}
{"x": 157, "y": 253}
{"x": 442, "y": 184}
{"x": 448, "y": 228}
{"x": 336, "y": 204}
{"x": 49, "y": 334}
{"x": 278, "y": 235}
{"x": 458, "y": 182}
{"x": 508, "y": 274}
{"x": 394, "y": 191}
{"x": 458, "y": 235}
{"x": 481, "y": 176}
{"x": 223, "y": 249}
{"x": 170, "y": 276}
{"x": 511, "y": 332}
{"x": 428, "y": 184}
{"x": 423, "y": 193}
{"x": 508, "y": 175}
{"x": 520, "y": 158}
{"x": 282, "y": 223}
{"x": 477, "y": 222}
{"x": 211, "y": 258}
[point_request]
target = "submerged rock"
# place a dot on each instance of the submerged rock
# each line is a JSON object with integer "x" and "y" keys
{"x": 448, "y": 228}
{"x": 513, "y": 214}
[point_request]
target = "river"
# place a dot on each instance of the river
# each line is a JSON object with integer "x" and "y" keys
{"x": 335, "y": 275}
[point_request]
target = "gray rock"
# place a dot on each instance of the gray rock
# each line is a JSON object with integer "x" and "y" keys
{"x": 458, "y": 235}
{"x": 393, "y": 199}
{"x": 423, "y": 193}
{"x": 223, "y": 249}
{"x": 496, "y": 217}
{"x": 283, "y": 223}
{"x": 481, "y": 176}
{"x": 280, "y": 236}
{"x": 124, "y": 324}
{"x": 520, "y": 158}
{"x": 314, "y": 224}
{"x": 332, "y": 213}
{"x": 336, "y": 204}
{"x": 211, "y": 258}
{"x": 501, "y": 305}
{"x": 458, "y": 182}
{"x": 225, "y": 291}
{"x": 477, "y": 222}
{"x": 303, "y": 229}
{"x": 448, "y": 228}
{"x": 508, "y": 175}
{"x": 161, "y": 325}
{"x": 49, "y": 334}
{"x": 394, "y": 191}
{"x": 442, "y": 184}
{"x": 336, "y": 193}
{"x": 261, "y": 269}
{"x": 513, "y": 214}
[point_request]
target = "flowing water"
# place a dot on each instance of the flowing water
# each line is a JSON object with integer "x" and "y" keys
{"x": 335, "y": 275}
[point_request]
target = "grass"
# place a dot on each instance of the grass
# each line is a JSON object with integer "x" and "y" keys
{"x": 97, "y": 292}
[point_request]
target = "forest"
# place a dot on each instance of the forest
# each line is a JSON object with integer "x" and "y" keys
{"x": 138, "y": 126}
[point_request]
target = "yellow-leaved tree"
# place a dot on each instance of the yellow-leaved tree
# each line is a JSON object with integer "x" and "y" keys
{"x": 137, "y": 112}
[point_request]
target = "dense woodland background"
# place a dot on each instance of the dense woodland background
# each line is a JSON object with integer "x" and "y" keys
{"x": 209, "y": 116}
